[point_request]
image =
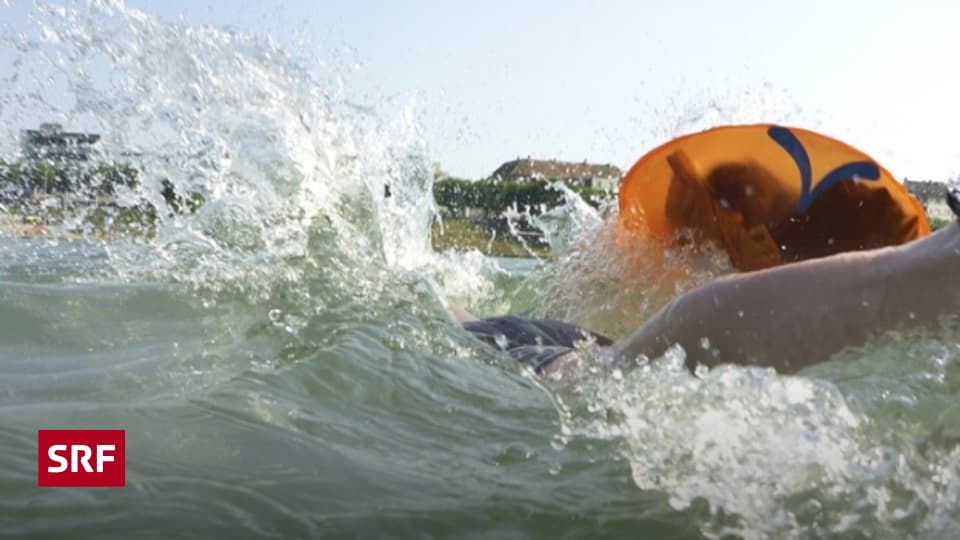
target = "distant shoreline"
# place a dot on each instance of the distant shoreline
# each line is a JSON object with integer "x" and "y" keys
{"x": 464, "y": 235}
{"x": 13, "y": 225}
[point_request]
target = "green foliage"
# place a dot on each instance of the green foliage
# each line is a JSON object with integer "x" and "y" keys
{"x": 460, "y": 235}
{"x": 24, "y": 179}
{"x": 494, "y": 196}
{"x": 94, "y": 187}
{"x": 593, "y": 195}
{"x": 938, "y": 223}
{"x": 195, "y": 201}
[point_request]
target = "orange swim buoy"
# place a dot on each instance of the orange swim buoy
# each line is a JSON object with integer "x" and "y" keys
{"x": 769, "y": 195}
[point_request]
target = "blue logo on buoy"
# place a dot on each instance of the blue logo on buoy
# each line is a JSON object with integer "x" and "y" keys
{"x": 864, "y": 170}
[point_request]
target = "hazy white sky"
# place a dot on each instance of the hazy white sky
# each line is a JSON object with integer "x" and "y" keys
{"x": 607, "y": 80}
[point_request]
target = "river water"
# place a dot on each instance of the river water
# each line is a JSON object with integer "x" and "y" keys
{"x": 284, "y": 367}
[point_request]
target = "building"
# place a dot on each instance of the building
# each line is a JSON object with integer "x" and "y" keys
{"x": 930, "y": 195}
{"x": 51, "y": 142}
{"x": 605, "y": 177}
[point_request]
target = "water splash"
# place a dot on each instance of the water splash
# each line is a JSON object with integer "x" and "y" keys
{"x": 827, "y": 454}
{"x": 294, "y": 176}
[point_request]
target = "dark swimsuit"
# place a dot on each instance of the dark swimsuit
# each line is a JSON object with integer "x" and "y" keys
{"x": 533, "y": 342}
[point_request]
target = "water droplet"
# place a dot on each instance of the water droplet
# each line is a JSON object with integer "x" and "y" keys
{"x": 912, "y": 315}
{"x": 274, "y": 315}
{"x": 866, "y": 303}
{"x": 705, "y": 343}
{"x": 559, "y": 442}
{"x": 740, "y": 313}
{"x": 830, "y": 241}
{"x": 701, "y": 370}
{"x": 513, "y": 453}
{"x": 555, "y": 469}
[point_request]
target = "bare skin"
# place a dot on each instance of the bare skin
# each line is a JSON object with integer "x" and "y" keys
{"x": 792, "y": 316}
{"x": 460, "y": 314}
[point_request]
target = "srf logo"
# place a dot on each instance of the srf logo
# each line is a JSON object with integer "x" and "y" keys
{"x": 81, "y": 458}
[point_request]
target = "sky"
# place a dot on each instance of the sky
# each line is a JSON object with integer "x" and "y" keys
{"x": 606, "y": 81}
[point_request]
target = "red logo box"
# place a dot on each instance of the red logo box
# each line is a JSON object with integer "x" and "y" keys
{"x": 81, "y": 458}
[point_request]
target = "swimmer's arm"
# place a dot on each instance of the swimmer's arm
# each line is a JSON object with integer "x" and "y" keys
{"x": 457, "y": 311}
{"x": 460, "y": 314}
{"x": 651, "y": 339}
{"x": 785, "y": 317}
{"x": 799, "y": 314}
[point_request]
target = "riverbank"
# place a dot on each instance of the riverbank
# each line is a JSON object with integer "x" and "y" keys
{"x": 462, "y": 235}
{"x": 15, "y": 225}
